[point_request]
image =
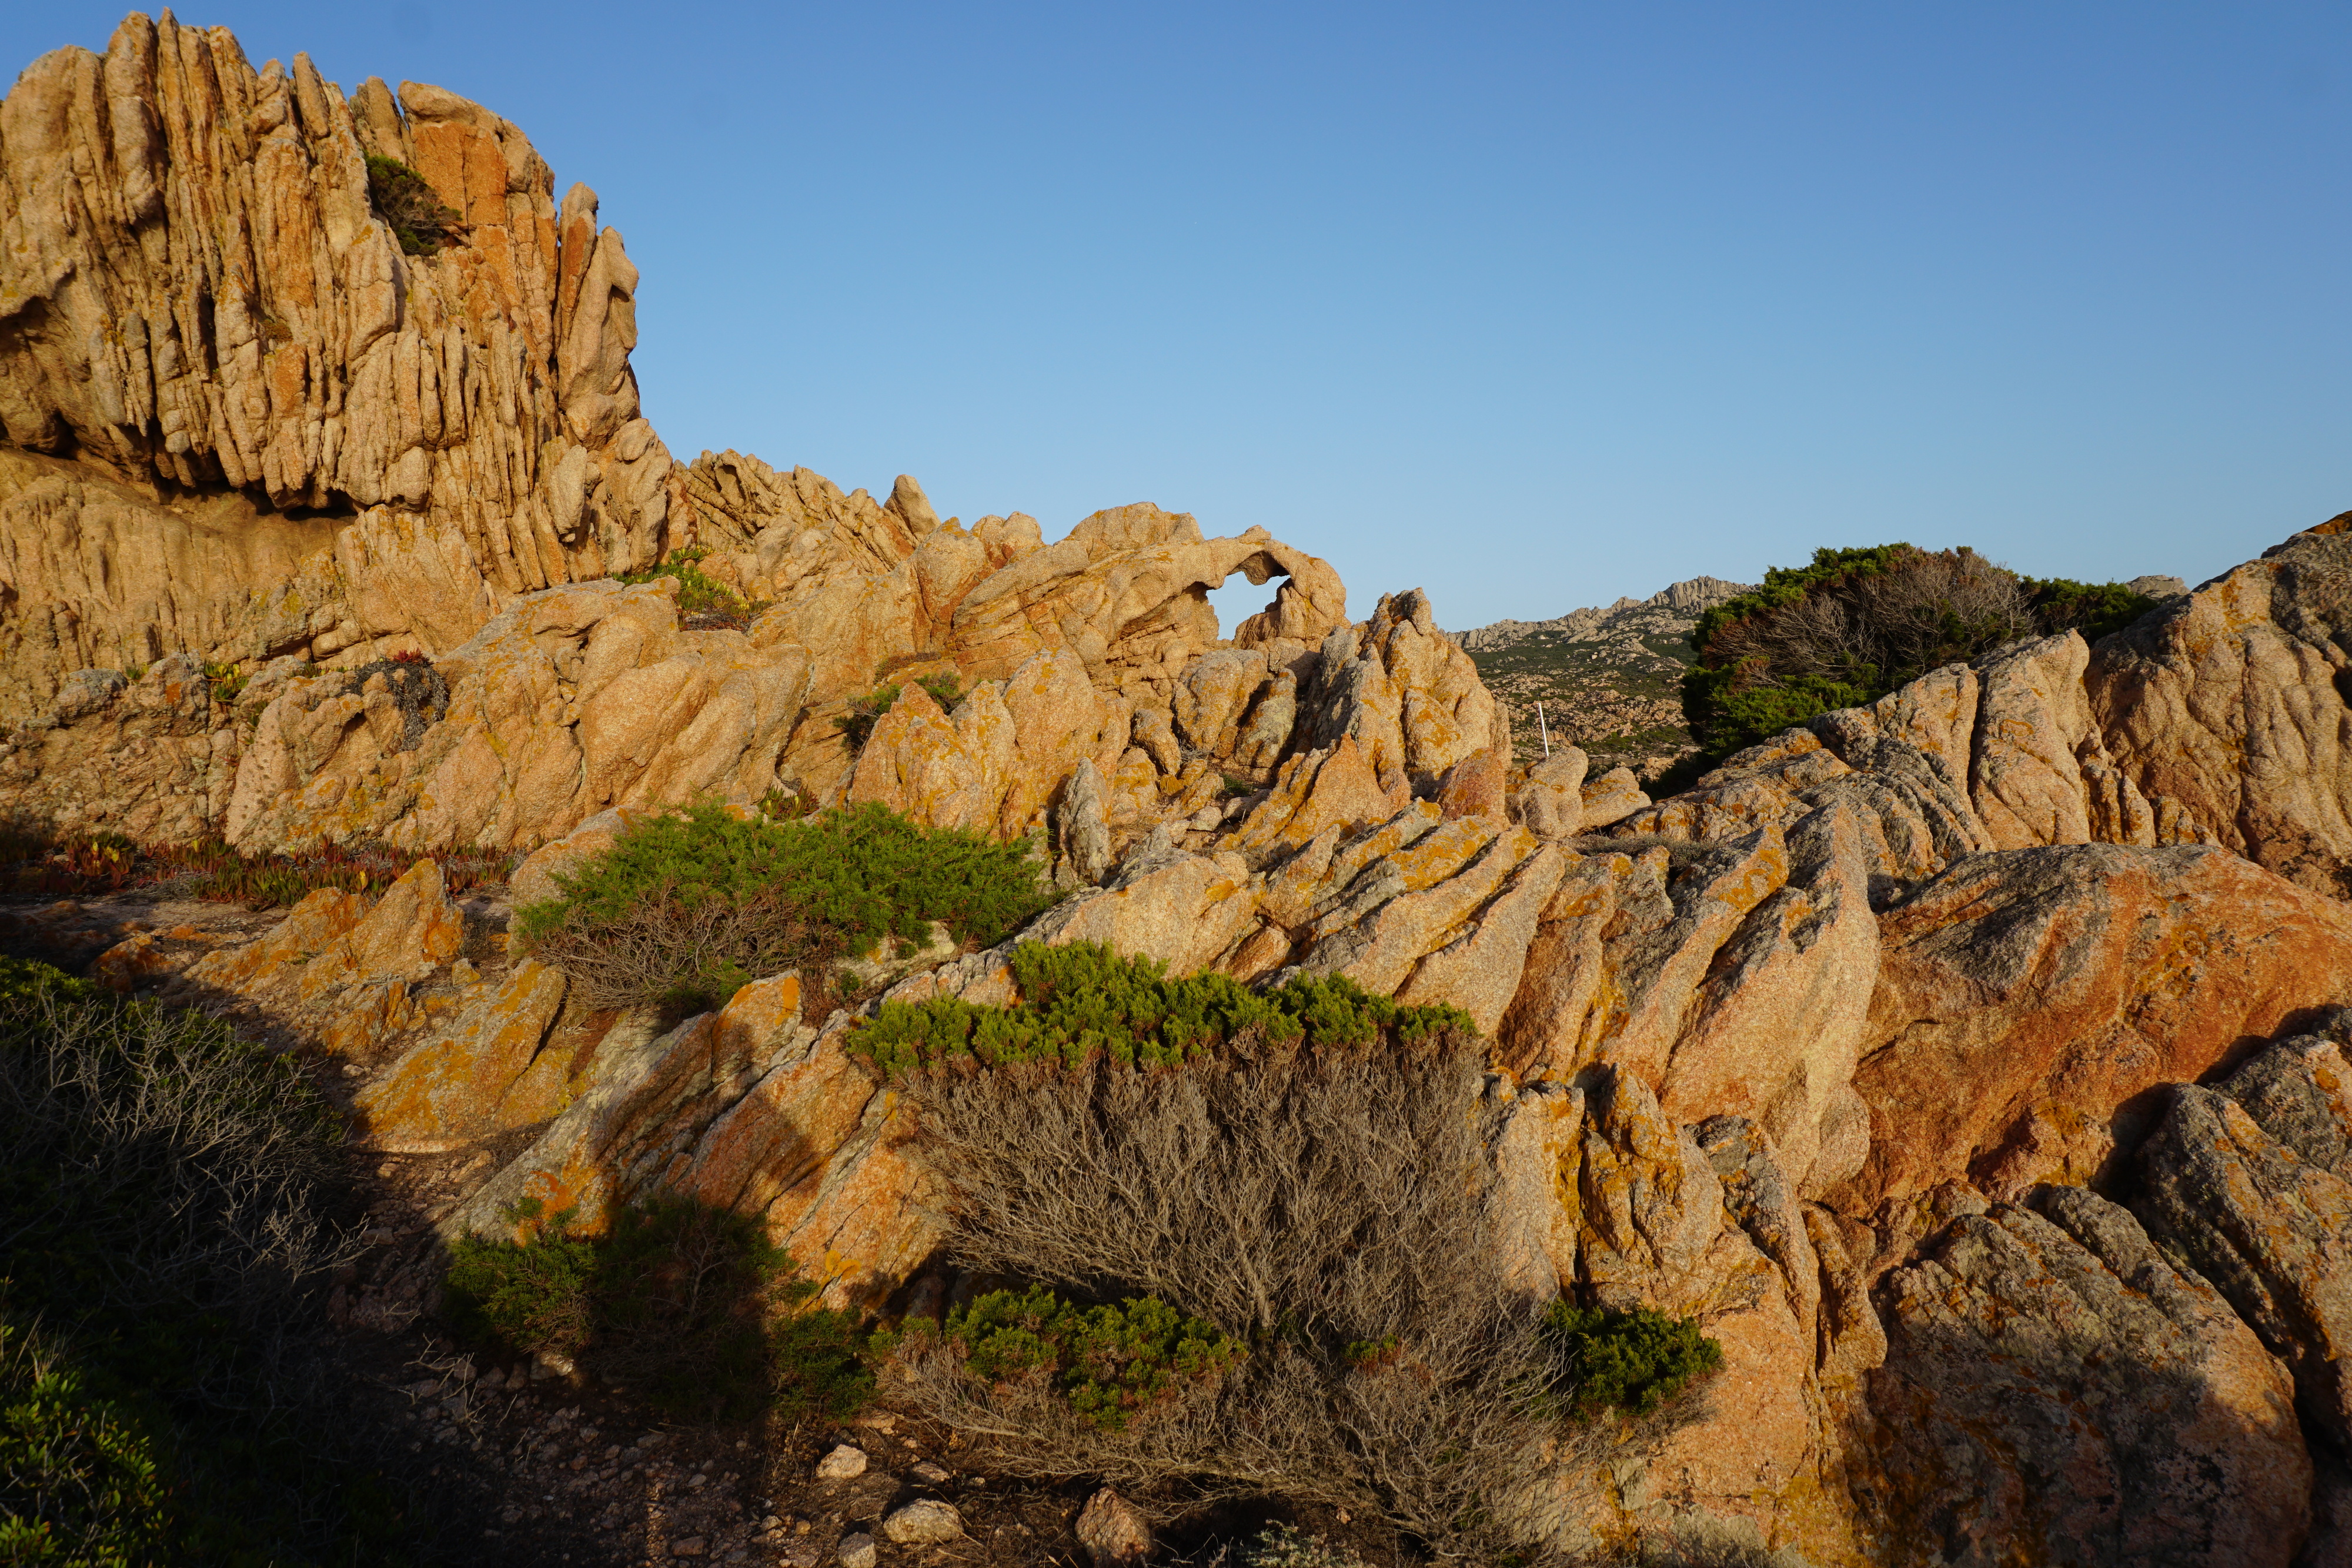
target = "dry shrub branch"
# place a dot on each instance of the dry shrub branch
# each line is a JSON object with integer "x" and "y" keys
{"x": 666, "y": 946}
{"x": 1329, "y": 1204}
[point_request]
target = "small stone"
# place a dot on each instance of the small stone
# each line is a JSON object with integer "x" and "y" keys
{"x": 844, "y": 1463}
{"x": 933, "y": 1474}
{"x": 923, "y": 1523}
{"x": 692, "y": 1546}
{"x": 855, "y": 1552}
{"x": 1113, "y": 1531}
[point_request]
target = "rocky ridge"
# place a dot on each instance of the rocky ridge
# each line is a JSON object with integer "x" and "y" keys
{"x": 1608, "y": 677}
{"x": 1969, "y": 1064}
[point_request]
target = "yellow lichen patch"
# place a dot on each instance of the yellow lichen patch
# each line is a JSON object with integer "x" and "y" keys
{"x": 1441, "y": 853}
{"x": 380, "y": 1012}
{"x": 460, "y": 1085}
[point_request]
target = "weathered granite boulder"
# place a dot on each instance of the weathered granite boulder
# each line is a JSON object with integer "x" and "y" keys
{"x": 2057, "y": 1392}
{"x": 2230, "y": 701}
{"x": 2267, "y": 1224}
{"x": 2028, "y": 1002}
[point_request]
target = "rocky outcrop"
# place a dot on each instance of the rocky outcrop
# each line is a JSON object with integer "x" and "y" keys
{"x": 2232, "y": 702}
{"x": 2245, "y": 1181}
{"x": 281, "y": 432}
{"x": 152, "y": 758}
{"x": 2002, "y": 755}
{"x": 1683, "y": 601}
{"x": 2027, "y": 1002}
{"x": 593, "y": 696}
{"x": 1799, "y": 1052}
{"x": 573, "y": 701}
{"x": 2055, "y": 1391}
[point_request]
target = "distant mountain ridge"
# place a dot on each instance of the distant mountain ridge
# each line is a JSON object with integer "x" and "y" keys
{"x": 1609, "y": 677}
{"x": 1691, "y": 597}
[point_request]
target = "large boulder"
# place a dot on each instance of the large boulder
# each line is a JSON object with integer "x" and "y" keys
{"x": 2230, "y": 703}
{"x": 2028, "y": 1002}
{"x": 2242, "y": 1181}
{"x": 2055, "y": 1391}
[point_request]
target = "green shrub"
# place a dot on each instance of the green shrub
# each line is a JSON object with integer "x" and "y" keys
{"x": 529, "y": 1296}
{"x": 1106, "y": 1362}
{"x": 687, "y": 907}
{"x": 169, "y": 1384}
{"x": 701, "y": 598}
{"x": 858, "y": 723}
{"x": 83, "y": 1479}
{"x": 1785, "y": 586}
{"x": 419, "y": 220}
{"x": 690, "y": 1306}
{"x": 1856, "y": 625}
{"x": 1632, "y": 1362}
{"x": 2094, "y": 609}
{"x": 1081, "y": 1001}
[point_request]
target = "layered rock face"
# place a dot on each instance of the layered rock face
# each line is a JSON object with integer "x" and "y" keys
{"x": 1968, "y": 1064}
{"x": 241, "y": 424}
{"x": 2236, "y": 701}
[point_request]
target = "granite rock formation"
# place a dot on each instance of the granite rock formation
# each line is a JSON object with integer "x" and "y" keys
{"x": 1968, "y": 1064}
{"x": 244, "y": 423}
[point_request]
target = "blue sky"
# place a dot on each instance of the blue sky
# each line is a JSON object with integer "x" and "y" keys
{"x": 1530, "y": 306}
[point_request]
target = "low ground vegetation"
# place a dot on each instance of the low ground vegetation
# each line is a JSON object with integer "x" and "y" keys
{"x": 1260, "y": 1255}
{"x": 704, "y": 603}
{"x": 685, "y": 907}
{"x": 1858, "y": 623}
{"x": 857, "y": 725}
{"x": 168, "y": 1389}
{"x": 36, "y": 864}
{"x": 1082, "y": 1001}
{"x": 688, "y": 1306}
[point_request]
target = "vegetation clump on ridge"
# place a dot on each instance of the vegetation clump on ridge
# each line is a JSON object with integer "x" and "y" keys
{"x": 419, "y": 219}
{"x": 1259, "y": 1248}
{"x": 687, "y": 907}
{"x": 704, "y": 603}
{"x": 1856, "y": 625}
{"x": 857, "y": 725}
{"x": 1083, "y": 1001}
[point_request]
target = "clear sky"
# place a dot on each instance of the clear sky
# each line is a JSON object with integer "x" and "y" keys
{"x": 1529, "y": 305}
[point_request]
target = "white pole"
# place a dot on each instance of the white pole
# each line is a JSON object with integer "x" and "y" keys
{"x": 1543, "y": 729}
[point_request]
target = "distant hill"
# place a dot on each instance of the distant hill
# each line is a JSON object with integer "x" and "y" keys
{"x": 1609, "y": 677}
